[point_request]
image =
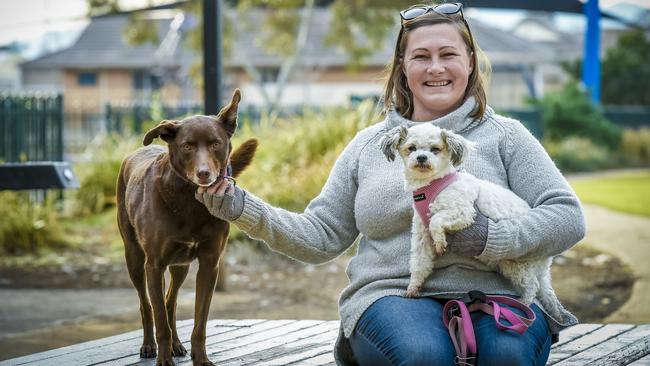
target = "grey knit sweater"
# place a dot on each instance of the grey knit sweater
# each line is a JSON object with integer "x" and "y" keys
{"x": 364, "y": 195}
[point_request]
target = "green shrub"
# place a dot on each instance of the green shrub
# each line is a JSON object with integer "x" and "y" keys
{"x": 576, "y": 154}
{"x": 26, "y": 226}
{"x": 635, "y": 146}
{"x": 570, "y": 113}
{"x": 99, "y": 175}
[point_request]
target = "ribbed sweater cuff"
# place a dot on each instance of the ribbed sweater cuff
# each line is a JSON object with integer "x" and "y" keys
{"x": 250, "y": 217}
{"x": 499, "y": 242}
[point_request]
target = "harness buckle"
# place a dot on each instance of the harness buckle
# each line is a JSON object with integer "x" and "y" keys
{"x": 477, "y": 296}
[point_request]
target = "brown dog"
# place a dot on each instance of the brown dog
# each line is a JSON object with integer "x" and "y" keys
{"x": 163, "y": 225}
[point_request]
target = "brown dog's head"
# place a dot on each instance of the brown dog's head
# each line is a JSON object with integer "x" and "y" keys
{"x": 199, "y": 146}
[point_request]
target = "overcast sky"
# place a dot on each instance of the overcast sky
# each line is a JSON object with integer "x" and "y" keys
{"x": 28, "y": 19}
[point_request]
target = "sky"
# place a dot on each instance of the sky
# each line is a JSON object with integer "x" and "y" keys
{"x": 27, "y": 20}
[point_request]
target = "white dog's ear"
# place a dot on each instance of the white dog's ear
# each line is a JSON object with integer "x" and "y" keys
{"x": 457, "y": 145}
{"x": 391, "y": 141}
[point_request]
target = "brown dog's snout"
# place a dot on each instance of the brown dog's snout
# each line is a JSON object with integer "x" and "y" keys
{"x": 203, "y": 173}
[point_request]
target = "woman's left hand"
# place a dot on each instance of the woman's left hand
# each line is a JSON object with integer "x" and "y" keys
{"x": 471, "y": 241}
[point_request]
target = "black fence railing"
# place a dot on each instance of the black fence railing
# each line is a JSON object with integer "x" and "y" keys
{"x": 31, "y": 128}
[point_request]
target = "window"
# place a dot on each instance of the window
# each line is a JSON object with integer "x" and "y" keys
{"x": 87, "y": 78}
{"x": 143, "y": 79}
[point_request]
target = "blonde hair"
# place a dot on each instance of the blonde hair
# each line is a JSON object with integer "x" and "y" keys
{"x": 397, "y": 94}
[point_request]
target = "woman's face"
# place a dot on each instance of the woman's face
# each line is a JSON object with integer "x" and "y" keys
{"x": 437, "y": 67}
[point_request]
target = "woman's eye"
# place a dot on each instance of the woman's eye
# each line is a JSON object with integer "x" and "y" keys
{"x": 435, "y": 150}
{"x": 412, "y": 148}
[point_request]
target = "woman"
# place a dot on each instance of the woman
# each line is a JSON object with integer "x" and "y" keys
{"x": 435, "y": 78}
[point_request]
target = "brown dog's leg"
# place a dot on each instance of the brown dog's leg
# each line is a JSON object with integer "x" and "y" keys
{"x": 135, "y": 259}
{"x": 178, "y": 274}
{"x": 205, "y": 281}
{"x": 156, "y": 286}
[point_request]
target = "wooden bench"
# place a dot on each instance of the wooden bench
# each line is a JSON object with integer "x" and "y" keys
{"x": 310, "y": 342}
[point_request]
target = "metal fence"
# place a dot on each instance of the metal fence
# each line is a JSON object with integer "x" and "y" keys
{"x": 31, "y": 128}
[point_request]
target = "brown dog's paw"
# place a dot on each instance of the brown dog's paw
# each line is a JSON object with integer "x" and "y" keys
{"x": 178, "y": 350}
{"x": 167, "y": 362}
{"x": 148, "y": 351}
{"x": 201, "y": 361}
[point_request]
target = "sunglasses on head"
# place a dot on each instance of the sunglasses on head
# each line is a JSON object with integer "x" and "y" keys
{"x": 418, "y": 10}
{"x": 445, "y": 9}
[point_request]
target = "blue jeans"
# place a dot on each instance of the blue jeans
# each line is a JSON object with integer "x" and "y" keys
{"x": 404, "y": 331}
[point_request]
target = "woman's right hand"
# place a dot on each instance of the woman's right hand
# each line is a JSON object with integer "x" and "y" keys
{"x": 471, "y": 241}
{"x": 224, "y": 200}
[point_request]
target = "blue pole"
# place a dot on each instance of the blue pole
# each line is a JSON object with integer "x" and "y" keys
{"x": 591, "y": 61}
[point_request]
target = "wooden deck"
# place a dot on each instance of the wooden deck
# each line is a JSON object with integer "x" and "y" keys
{"x": 310, "y": 342}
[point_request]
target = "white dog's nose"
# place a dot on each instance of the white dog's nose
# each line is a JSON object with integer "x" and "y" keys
{"x": 421, "y": 159}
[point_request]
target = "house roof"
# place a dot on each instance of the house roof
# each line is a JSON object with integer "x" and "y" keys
{"x": 101, "y": 45}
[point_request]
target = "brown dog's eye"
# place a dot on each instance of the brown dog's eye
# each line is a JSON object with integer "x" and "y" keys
{"x": 187, "y": 147}
{"x": 215, "y": 145}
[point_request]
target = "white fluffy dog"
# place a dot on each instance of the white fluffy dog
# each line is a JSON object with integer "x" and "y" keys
{"x": 431, "y": 153}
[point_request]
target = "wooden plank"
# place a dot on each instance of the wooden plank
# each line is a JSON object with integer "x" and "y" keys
{"x": 81, "y": 347}
{"x": 270, "y": 352}
{"x": 107, "y": 352}
{"x": 222, "y": 350}
{"x": 261, "y": 326}
{"x": 644, "y": 361}
{"x": 585, "y": 342}
{"x": 574, "y": 332}
{"x": 622, "y": 349}
{"x": 324, "y": 359}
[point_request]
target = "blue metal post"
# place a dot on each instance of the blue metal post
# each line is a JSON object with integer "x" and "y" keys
{"x": 591, "y": 60}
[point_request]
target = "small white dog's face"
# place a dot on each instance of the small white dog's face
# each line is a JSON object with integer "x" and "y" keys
{"x": 428, "y": 151}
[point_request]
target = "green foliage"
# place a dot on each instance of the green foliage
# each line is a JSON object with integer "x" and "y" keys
{"x": 625, "y": 70}
{"x": 26, "y": 226}
{"x": 296, "y": 154}
{"x": 635, "y": 146}
{"x": 569, "y": 112}
{"x": 576, "y": 154}
{"x": 98, "y": 176}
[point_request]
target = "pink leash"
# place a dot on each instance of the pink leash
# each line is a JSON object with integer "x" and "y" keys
{"x": 456, "y": 317}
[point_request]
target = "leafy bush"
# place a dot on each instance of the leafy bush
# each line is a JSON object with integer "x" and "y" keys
{"x": 26, "y": 226}
{"x": 99, "y": 175}
{"x": 570, "y": 113}
{"x": 296, "y": 154}
{"x": 635, "y": 146}
{"x": 576, "y": 154}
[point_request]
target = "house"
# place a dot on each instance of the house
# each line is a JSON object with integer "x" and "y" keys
{"x": 102, "y": 68}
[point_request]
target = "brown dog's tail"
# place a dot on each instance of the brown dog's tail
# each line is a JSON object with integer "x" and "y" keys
{"x": 242, "y": 157}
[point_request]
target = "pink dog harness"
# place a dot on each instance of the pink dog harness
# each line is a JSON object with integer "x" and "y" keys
{"x": 422, "y": 197}
{"x": 457, "y": 318}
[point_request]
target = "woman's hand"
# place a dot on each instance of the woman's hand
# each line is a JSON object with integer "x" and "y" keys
{"x": 471, "y": 241}
{"x": 224, "y": 200}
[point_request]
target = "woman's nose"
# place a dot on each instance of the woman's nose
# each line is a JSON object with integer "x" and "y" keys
{"x": 435, "y": 66}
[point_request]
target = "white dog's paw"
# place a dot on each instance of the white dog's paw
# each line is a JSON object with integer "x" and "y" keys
{"x": 440, "y": 248}
{"x": 413, "y": 291}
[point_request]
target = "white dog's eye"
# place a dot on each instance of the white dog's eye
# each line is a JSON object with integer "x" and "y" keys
{"x": 412, "y": 148}
{"x": 435, "y": 150}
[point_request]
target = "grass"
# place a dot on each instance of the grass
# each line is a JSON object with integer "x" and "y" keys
{"x": 627, "y": 192}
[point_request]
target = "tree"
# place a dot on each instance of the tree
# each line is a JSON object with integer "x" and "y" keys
{"x": 625, "y": 73}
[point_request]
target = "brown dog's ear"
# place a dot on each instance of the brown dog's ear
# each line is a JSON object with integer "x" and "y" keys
{"x": 228, "y": 114}
{"x": 458, "y": 146}
{"x": 166, "y": 130}
{"x": 390, "y": 142}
